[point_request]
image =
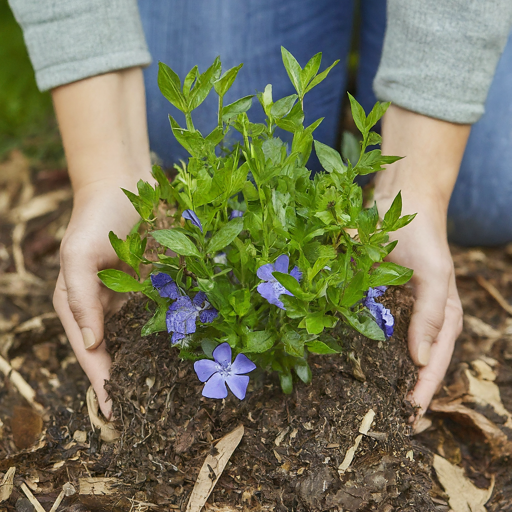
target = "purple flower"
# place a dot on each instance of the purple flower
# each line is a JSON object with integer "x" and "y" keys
{"x": 182, "y": 315}
{"x": 221, "y": 371}
{"x": 271, "y": 289}
{"x": 235, "y": 214}
{"x": 165, "y": 285}
{"x": 192, "y": 217}
{"x": 382, "y": 315}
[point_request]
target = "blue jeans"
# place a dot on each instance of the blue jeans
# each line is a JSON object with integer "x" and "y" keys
{"x": 183, "y": 33}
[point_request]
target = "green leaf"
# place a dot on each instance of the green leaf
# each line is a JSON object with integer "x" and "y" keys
{"x": 119, "y": 281}
{"x": 225, "y": 235}
{"x": 193, "y": 142}
{"x": 257, "y": 342}
{"x": 130, "y": 250}
{"x": 358, "y": 114}
{"x": 374, "y": 161}
{"x": 170, "y": 86}
{"x": 144, "y": 209}
{"x": 157, "y": 322}
{"x": 203, "y": 85}
{"x": 319, "y": 347}
{"x": 310, "y": 70}
{"x": 367, "y": 222}
{"x": 208, "y": 346}
{"x": 224, "y": 83}
{"x": 166, "y": 190}
{"x": 315, "y": 322}
{"x": 376, "y": 113}
{"x": 176, "y": 241}
{"x": 286, "y": 381}
{"x": 293, "y": 286}
{"x": 283, "y": 106}
{"x": 394, "y": 212}
{"x": 294, "y": 308}
{"x": 364, "y": 324}
{"x": 403, "y": 221}
{"x": 293, "y": 69}
{"x": 189, "y": 81}
{"x": 293, "y": 343}
{"x": 320, "y": 78}
{"x": 293, "y": 121}
{"x": 329, "y": 158}
{"x": 237, "y": 107}
{"x": 303, "y": 371}
{"x": 390, "y": 274}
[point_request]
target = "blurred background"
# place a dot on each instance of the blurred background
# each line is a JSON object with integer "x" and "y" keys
{"x": 27, "y": 121}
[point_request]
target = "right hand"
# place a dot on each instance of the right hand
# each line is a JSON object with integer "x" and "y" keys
{"x": 81, "y": 301}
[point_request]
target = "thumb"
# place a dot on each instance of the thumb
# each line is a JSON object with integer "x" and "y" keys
{"x": 85, "y": 304}
{"x": 428, "y": 315}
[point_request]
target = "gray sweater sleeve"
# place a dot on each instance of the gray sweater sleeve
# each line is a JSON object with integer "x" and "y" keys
{"x": 69, "y": 40}
{"x": 439, "y": 56}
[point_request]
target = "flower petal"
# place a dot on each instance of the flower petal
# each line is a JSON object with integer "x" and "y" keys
{"x": 267, "y": 291}
{"x": 208, "y": 315}
{"x": 177, "y": 336}
{"x": 222, "y": 354}
{"x": 295, "y": 272}
{"x": 215, "y": 387}
{"x": 238, "y": 385}
{"x": 199, "y": 299}
{"x": 242, "y": 364}
{"x": 160, "y": 279}
{"x": 376, "y": 292}
{"x": 169, "y": 290}
{"x": 265, "y": 272}
{"x": 282, "y": 263}
{"x": 204, "y": 369}
{"x": 236, "y": 213}
{"x": 192, "y": 217}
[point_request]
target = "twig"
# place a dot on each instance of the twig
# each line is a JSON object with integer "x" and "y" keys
{"x": 24, "y": 388}
{"x": 494, "y": 293}
{"x": 32, "y": 498}
{"x": 17, "y": 237}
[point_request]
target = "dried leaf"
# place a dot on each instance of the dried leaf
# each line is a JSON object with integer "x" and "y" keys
{"x": 7, "y": 484}
{"x": 464, "y": 496}
{"x": 212, "y": 469}
{"x": 107, "y": 431}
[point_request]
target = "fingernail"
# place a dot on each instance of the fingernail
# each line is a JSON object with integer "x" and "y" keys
{"x": 424, "y": 353}
{"x": 88, "y": 336}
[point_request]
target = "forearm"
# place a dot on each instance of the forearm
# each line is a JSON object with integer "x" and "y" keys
{"x": 103, "y": 126}
{"x": 433, "y": 151}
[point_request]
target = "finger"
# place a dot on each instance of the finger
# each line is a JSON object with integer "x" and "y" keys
{"x": 96, "y": 364}
{"x": 431, "y": 376}
{"x": 84, "y": 290}
{"x": 428, "y": 314}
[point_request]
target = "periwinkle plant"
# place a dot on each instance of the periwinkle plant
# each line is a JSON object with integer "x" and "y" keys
{"x": 263, "y": 258}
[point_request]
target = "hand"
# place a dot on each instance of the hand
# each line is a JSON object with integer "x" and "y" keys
{"x": 436, "y": 320}
{"x": 433, "y": 150}
{"x": 80, "y": 299}
{"x": 102, "y": 120}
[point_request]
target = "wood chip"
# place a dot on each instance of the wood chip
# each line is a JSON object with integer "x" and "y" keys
{"x": 363, "y": 430}
{"x": 97, "y": 485}
{"x": 479, "y": 328}
{"x": 494, "y": 293}
{"x": 464, "y": 496}
{"x": 7, "y": 484}
{"x": 32, "y": 498}
{"x": 212, "y": 469}
{"x": 20, "y": 384}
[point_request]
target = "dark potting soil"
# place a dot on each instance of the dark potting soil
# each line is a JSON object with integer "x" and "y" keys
{"x": 289, "y": 456}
